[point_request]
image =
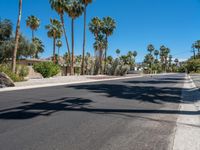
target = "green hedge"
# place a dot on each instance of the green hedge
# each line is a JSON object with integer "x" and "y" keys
{"x": 47, "y": 69}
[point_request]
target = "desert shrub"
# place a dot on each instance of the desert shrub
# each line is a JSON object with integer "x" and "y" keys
{"x": 22, "y": 71}
{"x": 117, "y": 68}
{"x": 47, "y": 69}
{"x": 6, "y": 68}
{"x": 77, "y": 70}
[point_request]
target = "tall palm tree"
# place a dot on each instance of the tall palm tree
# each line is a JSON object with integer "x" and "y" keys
{"x": 156, "y": 53}
{"x": 54, "y": 31}
{"x": 135, "y": 54}
{"x": 17, "y": 37}
{"x": 193, "y": 50}
{"x": 59, "y": 45}
{"x": 100, "y": 45}
{"x": 118, "y": 52}
{"x": 197, "y": 46}
{"x": 74, "y": 10}
{"x": 34, "y": 23}
{"x": 39, "y": 46}
{"x": 96, "y": 26}
{"x": 109, "y": 26}
{"x": 60, "y": 6}
{"x": 85, "y": 3}
{"x": 150, "y": 48}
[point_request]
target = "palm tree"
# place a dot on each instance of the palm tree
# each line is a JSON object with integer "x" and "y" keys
{"x": 193, "y": 51}
{"x": 17, "y": 37}
{"x": 54, "y": 31}
{"x": 197, "y": 46}
{"x": 156, "y": 53}
{"x": 39, "y": 46}
{"x": 85, "y": 2}
{"x": 96, "y": 26}
{"x": 176, "y": 61}
{"x": 59, "y": 45}
{"x": 118, "y": 52}
{"x": 170, "y": 60}
{"x": 60, "y": 7}
{"x": 74, "y": 10}
{"x": 100, "y": 45}
{"x": 109, "y": 26}
{"x": 150, "y": 48}
{"x": 34, "y": 23}
{"x": 134, "y": 54}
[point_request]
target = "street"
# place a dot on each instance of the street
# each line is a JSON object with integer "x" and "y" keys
{"x": 129, "y": 114}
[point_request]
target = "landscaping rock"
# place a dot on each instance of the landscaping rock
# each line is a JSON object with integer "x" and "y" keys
{"x": 5, "y": 81}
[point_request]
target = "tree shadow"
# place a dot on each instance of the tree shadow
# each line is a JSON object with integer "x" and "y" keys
{"x": 44, "y": 108}
{"x": 150, "y": 94}
{"x": 33, "y": 110}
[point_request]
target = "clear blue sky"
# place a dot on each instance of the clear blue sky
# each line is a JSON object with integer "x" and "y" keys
{"x": 174, "y": 23}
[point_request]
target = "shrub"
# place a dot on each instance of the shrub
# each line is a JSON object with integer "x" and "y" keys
{"x": 47, "y": 69}
{"x": 193, "y": 65}
{"x": 22, "y": 71}
{"x": 117, "y": 68}
{"x": 7, "y": 70}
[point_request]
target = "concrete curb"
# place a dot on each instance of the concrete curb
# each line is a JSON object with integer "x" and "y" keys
{"x": 187, "y": 137}
{"x": 60, "y": 84}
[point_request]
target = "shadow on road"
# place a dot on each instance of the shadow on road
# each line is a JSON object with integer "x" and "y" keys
{"x": 122, "y": 91}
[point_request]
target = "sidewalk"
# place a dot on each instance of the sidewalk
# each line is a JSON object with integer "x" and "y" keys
{"x": 196, "y": 79}
{"x": 187, "y": 133}
{"x": 65, "y": 80}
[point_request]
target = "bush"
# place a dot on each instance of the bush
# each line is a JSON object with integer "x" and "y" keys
{"x": 193, "y": 65}
{"x": 5, "y": 68}
{"x": 47, "y": 69}
{"x": 117, "y": 68}
{"x": 22, "y": 71}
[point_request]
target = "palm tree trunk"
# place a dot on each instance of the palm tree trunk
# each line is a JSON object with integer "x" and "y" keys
{"x": 32, "y": 34}
{"x": 84, "y": 42}
{"x": 65, "y": 34}
{"x": 17, "y": 37}
{"x": 54, "y": 50}
{"x": 106, "y": 55}
{"x": 58, "y": 51}
{"x": 100, "y": 60}
{"x": 72, "y": 60}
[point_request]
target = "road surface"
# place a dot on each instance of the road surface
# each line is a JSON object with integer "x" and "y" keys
{"x": 130, "y": 114}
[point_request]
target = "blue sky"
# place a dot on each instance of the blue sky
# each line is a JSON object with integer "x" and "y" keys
{"x": 174, "y": 23}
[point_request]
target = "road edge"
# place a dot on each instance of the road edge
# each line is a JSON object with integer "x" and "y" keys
{"x": 187, "y": 133}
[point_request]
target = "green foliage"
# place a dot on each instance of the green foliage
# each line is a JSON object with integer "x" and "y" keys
{"x": 6, "y": 68}
{"x": 47, "y": 69}
{"x": 193, "y": 65}
{"x": 23, "y": 71}
{"x": 117, "y": 68}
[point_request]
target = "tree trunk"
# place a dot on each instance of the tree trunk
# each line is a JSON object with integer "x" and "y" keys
{"x": 72, "y": 60}
{"x": 17, "y": 37}
{"x": 84, "y": 42}
{"x": 100, "y": 60}
{"x": 65, "y": 34}
{"x": 106, "y": 55}
{"x": 58, "y": 51}
{"x": 54, "y": 50}
{"x": 32, "y": 34}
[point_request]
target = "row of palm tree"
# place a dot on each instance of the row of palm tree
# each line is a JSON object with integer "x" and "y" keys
{"x": 165, "y": 58}
{"x": 74, "y": 9}
{"x": 102, "y": 29}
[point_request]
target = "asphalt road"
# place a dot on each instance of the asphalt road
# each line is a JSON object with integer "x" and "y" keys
{"x": 130, "y": 114}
